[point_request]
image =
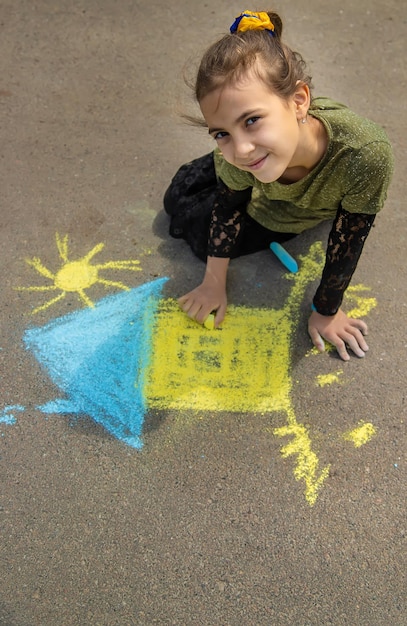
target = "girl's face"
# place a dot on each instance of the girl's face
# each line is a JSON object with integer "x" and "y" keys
{"x": 256, "y": 130}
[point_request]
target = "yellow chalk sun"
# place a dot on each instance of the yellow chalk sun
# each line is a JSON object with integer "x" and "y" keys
{"x": 76, "y": 276}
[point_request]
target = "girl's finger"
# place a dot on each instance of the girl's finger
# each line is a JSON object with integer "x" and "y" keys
{"x": 360, "y": 325}
{"x": 317, "y": 339}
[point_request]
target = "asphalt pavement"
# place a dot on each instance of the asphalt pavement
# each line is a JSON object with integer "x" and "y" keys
{"x": 153, "y": 471}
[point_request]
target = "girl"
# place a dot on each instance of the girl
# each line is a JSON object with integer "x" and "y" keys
{"x": 284, "y": 162}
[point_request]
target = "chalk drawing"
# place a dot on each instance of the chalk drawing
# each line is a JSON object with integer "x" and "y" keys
{"x": 136, "y": 351}
{"x": 328, "y": 379}
{"x": 197, "y": 368}
{"x": 362, "y": 304}
{"x": 76, "y": 276}
{"x": 360, "y": 435}
{"x": 98, "y": 357}
{"x": 7, "y": 414}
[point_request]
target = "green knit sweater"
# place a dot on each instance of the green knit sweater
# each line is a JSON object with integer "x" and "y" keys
{"x": 354, "y": 173}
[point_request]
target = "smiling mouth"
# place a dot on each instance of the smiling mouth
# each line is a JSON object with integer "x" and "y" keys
{"x": 256, "y": 164}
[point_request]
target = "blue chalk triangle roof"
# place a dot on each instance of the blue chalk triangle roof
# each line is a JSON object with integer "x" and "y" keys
{"x": 99, "y": 356}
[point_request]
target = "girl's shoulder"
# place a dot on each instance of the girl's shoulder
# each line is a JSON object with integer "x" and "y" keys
{"x": 345, "y": 126}
{"x": 321, "y": 103}
{"x": 232, "y": 177}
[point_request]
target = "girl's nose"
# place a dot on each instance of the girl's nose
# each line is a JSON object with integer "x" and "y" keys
{"x": 243, "y": 147}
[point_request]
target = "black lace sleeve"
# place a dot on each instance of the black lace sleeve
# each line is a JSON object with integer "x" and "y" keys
{"x": 227, "y": 220}
{"x": 345, "y": 245}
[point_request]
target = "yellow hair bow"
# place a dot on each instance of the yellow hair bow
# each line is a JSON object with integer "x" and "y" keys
{"x": 252, "y": 21}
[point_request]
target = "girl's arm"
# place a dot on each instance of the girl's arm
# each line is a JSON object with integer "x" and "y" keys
{"x": 224, "y": 233}
{"x": 328, "y": 321}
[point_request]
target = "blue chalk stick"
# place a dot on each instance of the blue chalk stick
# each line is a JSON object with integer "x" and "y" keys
{"x": 285, "y": 258}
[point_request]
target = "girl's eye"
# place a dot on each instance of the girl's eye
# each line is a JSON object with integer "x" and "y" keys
{"x": 251, "y": 121}
{"x": 220, "y": 135}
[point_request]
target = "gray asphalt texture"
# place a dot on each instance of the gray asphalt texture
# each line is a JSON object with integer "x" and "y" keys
{"x": 206, "y": 525}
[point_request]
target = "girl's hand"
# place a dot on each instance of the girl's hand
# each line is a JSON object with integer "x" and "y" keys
{"x": 210, "y": 295}
{"x": 204, "y": 299}
{"x": 339, "y": 330}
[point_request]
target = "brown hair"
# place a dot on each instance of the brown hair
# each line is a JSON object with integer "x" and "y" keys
{"x": 234, "y": 54}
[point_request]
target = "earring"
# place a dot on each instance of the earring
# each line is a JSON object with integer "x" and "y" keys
{"x": 304, "y": 120}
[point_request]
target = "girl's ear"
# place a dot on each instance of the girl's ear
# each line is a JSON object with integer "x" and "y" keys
{"x": 302, "y": 100}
